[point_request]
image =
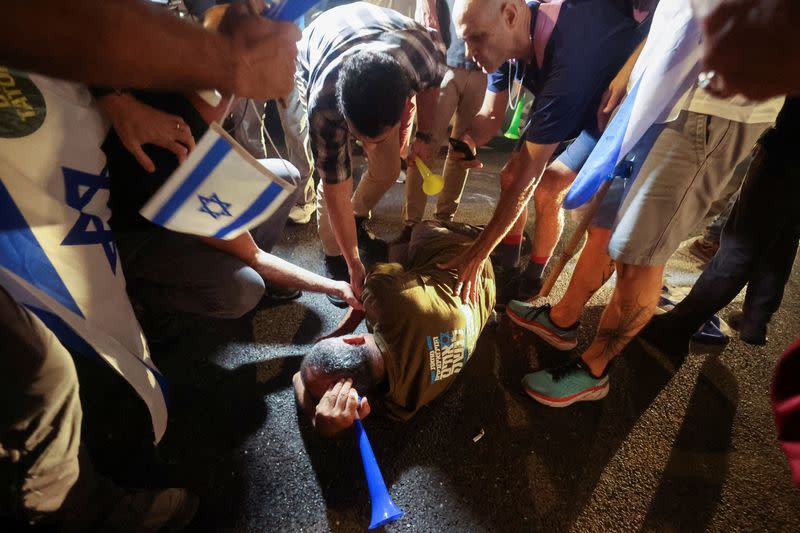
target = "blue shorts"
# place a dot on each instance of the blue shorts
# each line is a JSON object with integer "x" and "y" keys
{"x": 578, "y": 152}
{"x": 606, "y": 214}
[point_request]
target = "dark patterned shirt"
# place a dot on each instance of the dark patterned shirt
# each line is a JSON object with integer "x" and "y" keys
{"x": 328, "y": 41}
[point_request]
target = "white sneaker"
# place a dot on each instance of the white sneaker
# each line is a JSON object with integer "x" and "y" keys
{"x": 301, "y": 213}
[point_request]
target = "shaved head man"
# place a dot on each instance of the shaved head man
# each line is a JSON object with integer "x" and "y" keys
{"x": 494, "y": 30}
{"x": 565, "y": 52}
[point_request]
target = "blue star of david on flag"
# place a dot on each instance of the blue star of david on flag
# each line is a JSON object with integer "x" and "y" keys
{"x": 79, "y": 190}
{"x": 209, "y": 202}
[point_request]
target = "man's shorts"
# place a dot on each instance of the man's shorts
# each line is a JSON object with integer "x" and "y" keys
{"x": 576, "y": 154}
{"x": 679, "y": 169}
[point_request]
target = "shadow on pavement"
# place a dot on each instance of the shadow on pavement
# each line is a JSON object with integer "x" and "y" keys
{"x": 698, "y": 465}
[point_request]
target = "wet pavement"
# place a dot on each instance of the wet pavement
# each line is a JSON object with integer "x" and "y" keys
{"x": 676, "y": 446}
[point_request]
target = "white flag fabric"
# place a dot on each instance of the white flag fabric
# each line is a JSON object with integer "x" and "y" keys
{"x": 219, "y": 191}
{"x": 667, "y": 67}
{"x": 57, "y": 253}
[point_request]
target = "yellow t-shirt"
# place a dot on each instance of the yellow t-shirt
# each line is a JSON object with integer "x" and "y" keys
{"x": 425, "y": 332}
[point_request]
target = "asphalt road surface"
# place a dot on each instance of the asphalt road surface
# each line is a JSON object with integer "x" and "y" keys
{"x": 676, "y": 446}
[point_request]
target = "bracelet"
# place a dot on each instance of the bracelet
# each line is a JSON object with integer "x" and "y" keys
{"x": 424, "y": 137}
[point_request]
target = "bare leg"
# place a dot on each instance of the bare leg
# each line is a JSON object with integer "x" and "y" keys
{"x": 549, "y": 216}
{"x": 631, "y": 307}
{"x": 592, "y": 271}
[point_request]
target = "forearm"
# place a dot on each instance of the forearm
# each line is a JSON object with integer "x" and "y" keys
{"x": 509, "y": 207}
{"x": 273, "y": 268}
{"x": 489, "y": 119}
{"x": 522, "y": 173}
{"x": 59, "y": 44}
{"x": 627, "y": 68}
{"x": 340, "y": 212}
{"x": 280, "y": 272}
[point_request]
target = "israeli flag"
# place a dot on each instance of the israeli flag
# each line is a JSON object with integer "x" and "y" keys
{"x": 219, "y": 191}
{"x": 57, "y": 253}
{"x": 666, "y": 69}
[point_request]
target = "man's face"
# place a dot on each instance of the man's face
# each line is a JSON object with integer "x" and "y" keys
{"x": 317, "y": 385}
{"x": 487, "y": 37}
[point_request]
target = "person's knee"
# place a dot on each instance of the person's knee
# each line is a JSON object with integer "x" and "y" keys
{"x": 550, "y": 192}
{"x": 284, "y": 170}
{"x": 290, "y": 174}
{"x": 239, "y": 295}
{"x": 598, "y": 236}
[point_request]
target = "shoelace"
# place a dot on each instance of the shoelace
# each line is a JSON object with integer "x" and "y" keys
{"x": 536, "y": 311}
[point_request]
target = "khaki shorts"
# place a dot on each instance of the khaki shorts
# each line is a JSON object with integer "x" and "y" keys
{"x": 679, "y": 170}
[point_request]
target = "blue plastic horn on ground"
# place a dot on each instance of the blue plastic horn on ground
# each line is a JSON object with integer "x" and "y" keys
{"x": 384, "y": 509}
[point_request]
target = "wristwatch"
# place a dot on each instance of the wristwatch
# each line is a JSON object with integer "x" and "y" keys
{"x": 424, "y": 137}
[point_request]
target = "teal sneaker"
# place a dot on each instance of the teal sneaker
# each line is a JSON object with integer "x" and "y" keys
{"x": 537, "y": 319}
{"x": 565, "y": 385}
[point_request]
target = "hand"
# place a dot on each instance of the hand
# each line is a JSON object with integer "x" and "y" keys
{"x": 337, "y": 409}
{"x": 419, "y": 148}
{"x": 612, "y": 97}
{"x": 138, "y": 124}
{"x": 458, "y": 157}
{"x": 263, "y": 53}
{"x": 357, "y": 275}
{"x": 425, "y": 14}
{"x": 346, "y": 293}
{"x": 469, "y": 265}
{"x": 741, "y": 43}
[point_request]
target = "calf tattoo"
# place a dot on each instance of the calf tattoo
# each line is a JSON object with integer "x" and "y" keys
{"x": 632, "y": 317}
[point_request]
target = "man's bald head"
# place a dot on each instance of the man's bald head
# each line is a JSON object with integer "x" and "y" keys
{"x": 474, "y": 9}
{"x": 493, "y": 30}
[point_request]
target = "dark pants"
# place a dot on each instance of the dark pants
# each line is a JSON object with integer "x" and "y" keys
{"x": 40, "y": 424}
{"x": 168, "y": 271}
{"x": 759, "y": 242}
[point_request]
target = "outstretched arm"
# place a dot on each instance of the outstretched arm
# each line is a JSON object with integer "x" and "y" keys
{"x": 520, "y": 177}
{"x": 91, "y": 42}
{"x": 340, "y": 211}
{"x": 484, "y": 126}
{"x": 280, "y": 272}
{"x": 348, "y": 324}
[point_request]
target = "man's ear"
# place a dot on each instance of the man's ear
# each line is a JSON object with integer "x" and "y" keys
{"x": 303, "y": 397}
{"x": 355, "y": 340}
{"x": 510, "y": 13}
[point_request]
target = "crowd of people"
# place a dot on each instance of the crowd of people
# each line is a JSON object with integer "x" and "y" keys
{"x": 366, "y": 77}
